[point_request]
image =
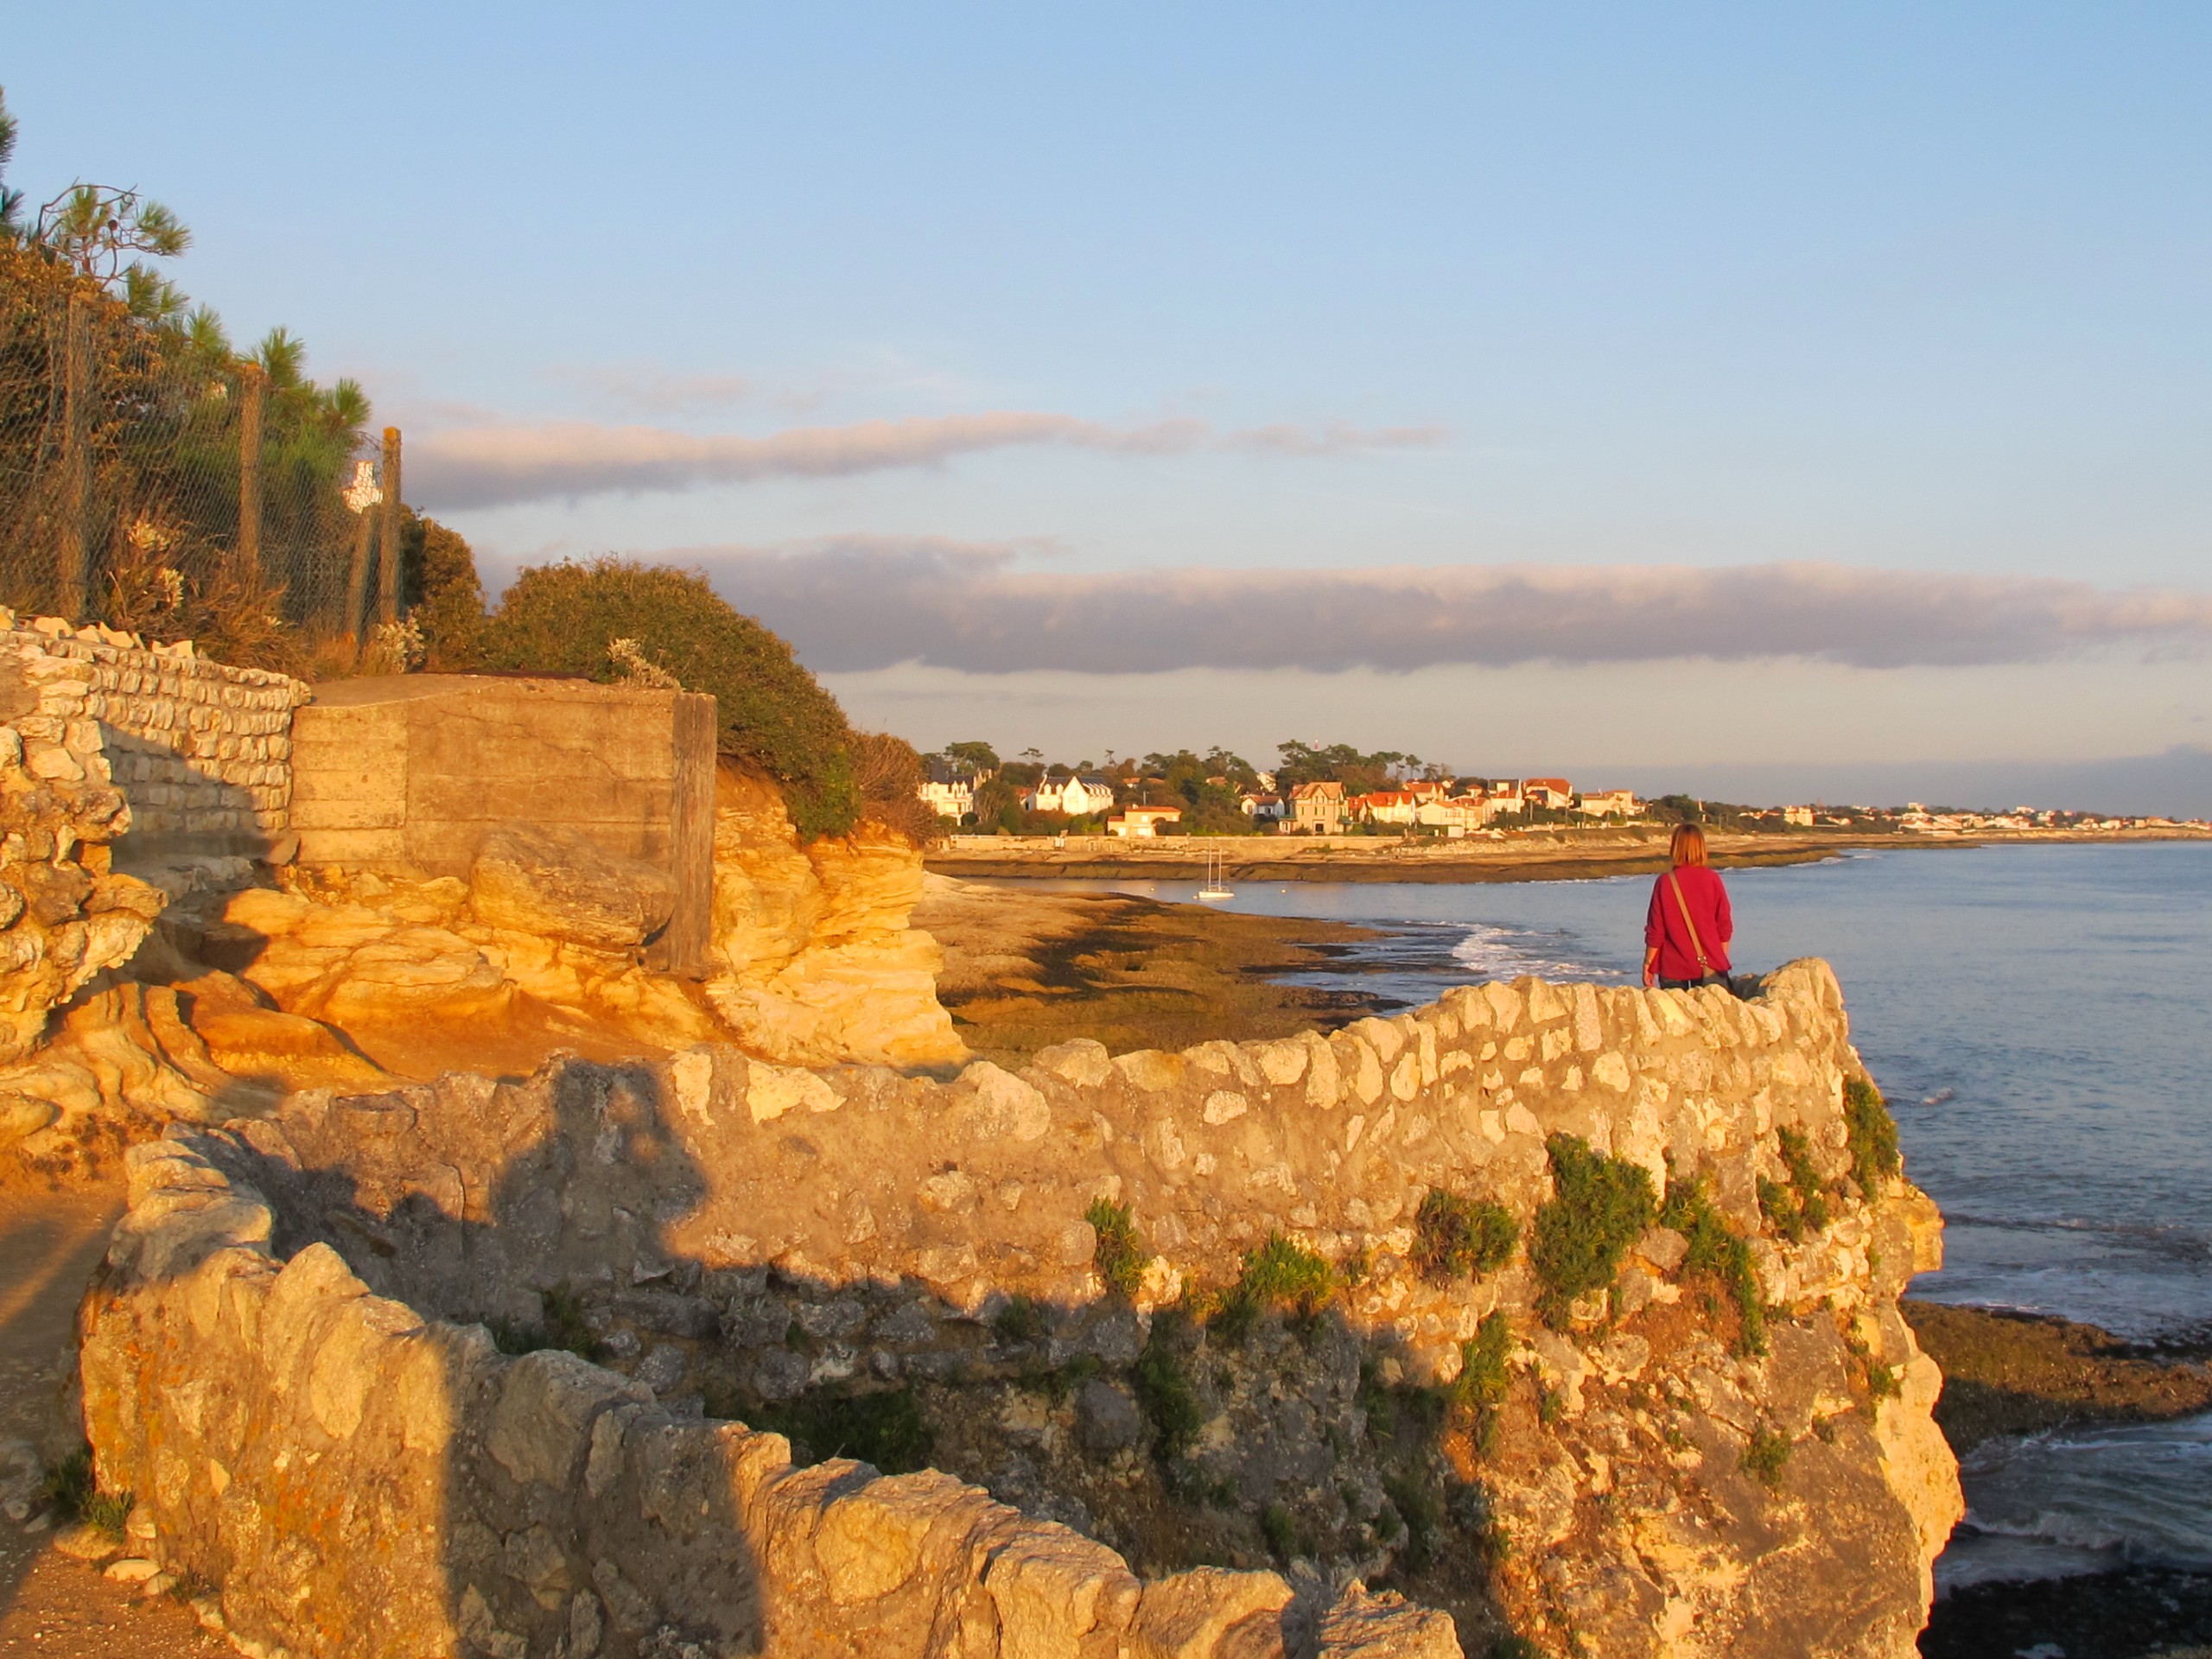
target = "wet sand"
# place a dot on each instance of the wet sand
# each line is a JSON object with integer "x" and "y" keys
{"x": 1026, "y": 969}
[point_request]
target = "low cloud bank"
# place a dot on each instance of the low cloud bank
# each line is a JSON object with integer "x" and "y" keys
{"x": 502, "y": 466}
{"x": 863, "y": 603}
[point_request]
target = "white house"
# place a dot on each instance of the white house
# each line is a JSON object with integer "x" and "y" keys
{"x": 953, "y": 798}
{"x": 1609, "y": 802}
{"x": 1076, "y": 797}
{"x": 1264, "y": 808}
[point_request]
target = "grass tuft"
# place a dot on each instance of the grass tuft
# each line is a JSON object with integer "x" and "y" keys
{"x": 1715, "y": 1249}
{"x": 1598, "y": 1208}
{"x": 1280, "y": 1277}
{"x": 886, "y": 1429}
{"x": 1800, "y": 1205}
{"x": 1460, "y": 1239}
{"x": 1766, "y": 1455}
{"x": 1119, "y": 1254}
{"x": 1871, "y": 1136}
{"x": 1286, "y": 1540}
{"x": 560, "y": 1326}
{"x": 1163, "y": 1385}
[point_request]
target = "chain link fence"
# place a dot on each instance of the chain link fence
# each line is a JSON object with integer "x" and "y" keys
{"x": 153, "y": 481}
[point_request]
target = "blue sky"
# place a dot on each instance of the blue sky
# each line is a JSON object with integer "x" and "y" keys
{"x": 1025, "y": 320}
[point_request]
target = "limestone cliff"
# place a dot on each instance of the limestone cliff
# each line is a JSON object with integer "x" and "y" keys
{"x": 818, "y": 964}
{"x": 1398, "y": 1304}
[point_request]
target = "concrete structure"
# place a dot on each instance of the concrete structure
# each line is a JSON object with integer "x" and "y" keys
{"x": 407, "y": 773}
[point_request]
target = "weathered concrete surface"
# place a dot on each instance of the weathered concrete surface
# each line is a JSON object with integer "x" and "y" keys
{"x": 408, "y": 774}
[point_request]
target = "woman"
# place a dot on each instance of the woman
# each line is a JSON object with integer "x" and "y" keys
{"x": 1687, "y": 931}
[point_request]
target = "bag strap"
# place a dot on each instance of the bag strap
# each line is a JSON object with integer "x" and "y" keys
{"x": 1681, "y": 904}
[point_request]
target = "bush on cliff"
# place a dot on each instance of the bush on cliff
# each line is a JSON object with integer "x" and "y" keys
{"x": 774, "y": 715}
{"x": 1598, "y": 1208}
{"x": 1871, "y": 1136}
{"x": 1715, "y": 1249}
{"x": 1460, "y": 1239}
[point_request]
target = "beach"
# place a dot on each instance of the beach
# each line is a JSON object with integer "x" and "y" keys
{"x": 1538, "y": 855}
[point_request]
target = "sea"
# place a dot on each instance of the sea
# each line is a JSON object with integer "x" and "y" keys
{"x": 2040, "y": 1020}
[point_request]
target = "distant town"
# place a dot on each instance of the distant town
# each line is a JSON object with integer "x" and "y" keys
{"x": 1340, "y": 791}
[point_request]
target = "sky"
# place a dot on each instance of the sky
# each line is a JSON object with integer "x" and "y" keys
{"x": 1774, "y": 401}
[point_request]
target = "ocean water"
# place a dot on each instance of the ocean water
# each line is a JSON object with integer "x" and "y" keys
{"x": 2040, "y": 1018}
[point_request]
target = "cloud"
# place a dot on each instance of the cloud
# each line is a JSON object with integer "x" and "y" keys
{"x": 654, "y": 390}
{"x": 867, "y": 602}
{"x": 489, "y": 465}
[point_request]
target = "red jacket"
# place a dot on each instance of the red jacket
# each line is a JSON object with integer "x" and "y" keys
{"x": 1708, "y": 906}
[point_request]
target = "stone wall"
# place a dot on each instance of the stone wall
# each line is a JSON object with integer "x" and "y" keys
{"x": 748, "y": 1231}
{"x": 200, "y": 750}
{"x": 408, "y": 773}
{"x": 361, "y": 1480}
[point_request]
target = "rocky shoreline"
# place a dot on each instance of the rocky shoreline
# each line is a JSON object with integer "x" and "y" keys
{"x": 2011, "y": 1373}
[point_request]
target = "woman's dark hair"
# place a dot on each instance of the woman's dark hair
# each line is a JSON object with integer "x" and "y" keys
{"x": 1687, "y": 847}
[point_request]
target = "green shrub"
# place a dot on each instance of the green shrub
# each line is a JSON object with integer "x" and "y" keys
{"x": 886, "y": 1429}
{"x": 1019, "y": 1320}
{"x": 773, "y": 715}
{"x": 1118, "y": 1254}
{"x": 1871, "y": 1134}
{"x": 1164, "y": 1389}
{"x": 1286, "y": 1538}
{"x": 1280, "y": 1276}
{"x": 1598, "y": 1208}
{"x": 1883, "y": 1382}
{"x": 1480, "y": 1388}
{"x": 1460, "y": 1238}
{"x": 1716, "y": 1250}
{"x": 1483, "y": 1376}
{"x": 1764, "y": 1458}
{"x": 1802, "y": 1204}
{"x": 561, "y": 1327}
{"x": 69, "y": 1489}
{"x": 1419, "y": 1511}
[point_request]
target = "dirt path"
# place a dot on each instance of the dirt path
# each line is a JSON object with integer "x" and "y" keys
{"x": 50, "y": 1605}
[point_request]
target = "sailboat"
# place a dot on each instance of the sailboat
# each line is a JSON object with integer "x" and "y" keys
{"x": 1213, "y": 893}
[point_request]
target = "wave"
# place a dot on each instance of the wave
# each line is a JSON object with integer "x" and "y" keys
{"x": 2085, "y": 1500}
{"x": 1490, "y": 951}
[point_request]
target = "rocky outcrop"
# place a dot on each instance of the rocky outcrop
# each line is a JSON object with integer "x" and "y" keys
{"x": 817, "y": 962}
{"x": 1190, "y": 1305}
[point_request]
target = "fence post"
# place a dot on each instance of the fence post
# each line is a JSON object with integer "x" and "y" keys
{"x": 388, "y": 564}
{"x": 76, "y": 461}
{"x": 253, "y": 381}
{"x": 357, "y": 580}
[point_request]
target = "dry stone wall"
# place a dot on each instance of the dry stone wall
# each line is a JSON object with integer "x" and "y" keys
{"x": 362, "y": 1480}
{"x": 200, "y": 750}
{"x": 756, "y": 1236}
